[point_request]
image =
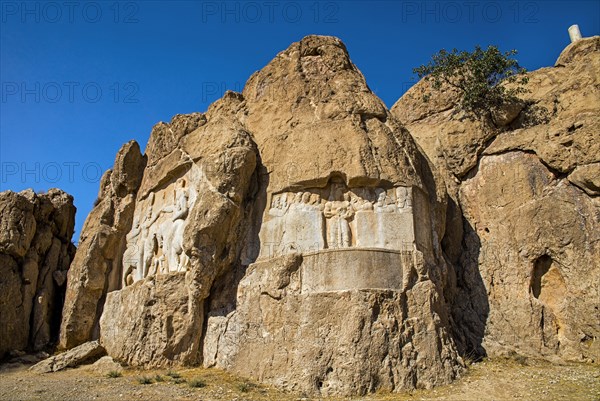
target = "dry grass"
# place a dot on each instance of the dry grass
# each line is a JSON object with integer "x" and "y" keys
{"x": 502, "y": 379}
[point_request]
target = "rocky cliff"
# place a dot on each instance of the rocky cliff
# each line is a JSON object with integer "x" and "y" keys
{"x": 301, "y": 234}
{"x": 523, "y": 231}
{"x": 290, "y": 234}
{"x": 35, "y": 254}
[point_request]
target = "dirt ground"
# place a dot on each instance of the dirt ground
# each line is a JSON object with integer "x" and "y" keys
{"x": 489, "y": 380}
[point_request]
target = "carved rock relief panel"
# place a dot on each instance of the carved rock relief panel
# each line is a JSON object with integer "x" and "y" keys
{"x": 336, "y": 217}
{"x": 155, "y": 242}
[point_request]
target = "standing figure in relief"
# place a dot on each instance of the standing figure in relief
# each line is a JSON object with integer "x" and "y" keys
{"x": 306, "y": 201}
{"x": 148, "y": 239}
{"x": 140, "y": 246}
{"x": 159, "y": 257}
{"x": 131, "y": 256}
{"x": 297, "y": 201}
{"x": 279, "y": 205}
{"x": 359, "y": 203}
{"x": 177, "y": 259}
{"x": 339, "y": 212}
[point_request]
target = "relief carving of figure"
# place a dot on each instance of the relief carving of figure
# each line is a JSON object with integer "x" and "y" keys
{"x": 403, "y": 198}
{"x": 384, "y": 203}
{"x": 172, "y": 232}
{"x": 141, "y": 245}
{"x": 279, "y": 205}
{"x": 131, "y": 257}
{"x": 339, "y": 212}
{"x": 359, "y": 203}
{"x": 148, "y": 239}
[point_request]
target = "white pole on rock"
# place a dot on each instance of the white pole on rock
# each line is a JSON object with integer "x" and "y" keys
{"x": 574, "y": 33}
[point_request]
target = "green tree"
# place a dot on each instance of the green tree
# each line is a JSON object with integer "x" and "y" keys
{"x": 481, "y": 77}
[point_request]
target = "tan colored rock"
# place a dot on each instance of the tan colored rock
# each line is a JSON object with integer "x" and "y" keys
{"x": 104, "y": 366}
{"x": 319, "y": 341}
{"x": 35, "y": 252}
{"x": 96, "y": 267}
{"x": 538, "y": 258}
{"x": 312, "y": 113}
{"x": 150, "y": 323}
{"x": 341, "y": 170}
{"x": 522, "y": 238}
{"x": 187, "y": 229}
{"x": 576, "y": 51}
{"x": 306, "y": 155}
{"x": 587, "y": 177}
{"x": 84, "y": 353}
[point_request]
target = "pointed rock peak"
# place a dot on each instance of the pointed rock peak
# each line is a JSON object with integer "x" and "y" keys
{"x": 323, "y": 55}
{"x": 312, "y": 113}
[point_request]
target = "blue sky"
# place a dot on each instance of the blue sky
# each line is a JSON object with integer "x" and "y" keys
{"x": 80, "y": 78}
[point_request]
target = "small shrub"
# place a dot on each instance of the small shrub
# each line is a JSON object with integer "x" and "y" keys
{"x": 145, "y": 380}
{"x": 114, "y": 374}
{"x": 481, "y": 77}
{"x": 173, "y": 374}
{"x": 245, "y": 387}
{"x": 518, "y": 358}
{"x": 197, "y": 383}
{"x": 179, "y": 380}
{"x": 159, "y": 378}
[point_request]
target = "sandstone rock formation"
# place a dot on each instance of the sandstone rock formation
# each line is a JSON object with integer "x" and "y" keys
{"x": 35, "y": 254}
{"x": 523, "y": 231}
{"x": 290, "y": 234}
{"x": 296, "y": 233}
{"x": 97, "y": 264}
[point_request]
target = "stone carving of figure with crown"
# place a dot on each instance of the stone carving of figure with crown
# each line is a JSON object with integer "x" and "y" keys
{"x": 339, "y": 212}
{"x": 403, "y": 198}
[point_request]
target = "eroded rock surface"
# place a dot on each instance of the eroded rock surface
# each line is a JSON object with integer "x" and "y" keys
{"x": 523, "y": 229}
{"x": 96, "y": 268}
{"x": 35, "y": 254}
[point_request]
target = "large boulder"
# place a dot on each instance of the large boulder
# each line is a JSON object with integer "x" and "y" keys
{"x": 360, "y": 307}
{"x": 35, "y": 254}
{"x": 82, "y": 354}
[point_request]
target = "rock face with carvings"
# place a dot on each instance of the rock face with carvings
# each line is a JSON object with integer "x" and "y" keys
{"x": 523, "y": 227}
{"x": 290, "y": 234}
{"x": 35, "y": 254}
{"x": 296, "y": 234}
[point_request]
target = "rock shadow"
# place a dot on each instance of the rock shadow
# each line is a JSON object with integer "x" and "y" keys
{"x": 470, "y": 304}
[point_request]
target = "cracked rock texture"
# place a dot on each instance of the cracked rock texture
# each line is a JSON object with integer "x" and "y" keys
{"x": 35, "y": 253}
{"x": 523, "y": 230}
{"x": 101, "y": 247}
